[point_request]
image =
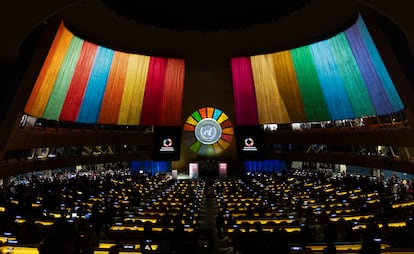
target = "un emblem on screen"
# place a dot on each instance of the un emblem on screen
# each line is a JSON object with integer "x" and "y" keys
{"x": 208, "y": 131}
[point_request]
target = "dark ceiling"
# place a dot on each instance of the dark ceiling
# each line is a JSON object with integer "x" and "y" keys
{"x": 205, "y": 15}
{"x": 279, "y": 24}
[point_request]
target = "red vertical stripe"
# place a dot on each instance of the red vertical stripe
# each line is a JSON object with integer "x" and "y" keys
{"x": 244, "y": 92}
{"x": 78, "y": 83}
{"x": 203, "y": 113}
{"x": 172, "y": 100}
{"x": 152, "y": 104}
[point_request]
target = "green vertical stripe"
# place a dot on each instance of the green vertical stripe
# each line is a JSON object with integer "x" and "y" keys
{"x": 351, "y": 76}
{"x": 195, "y": 147}
{"x": 310, "y": 89}
{"x": 196, "y": 115}
{"x": 58, "y": 95}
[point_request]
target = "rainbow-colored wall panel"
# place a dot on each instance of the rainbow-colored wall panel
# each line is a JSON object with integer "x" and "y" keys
{"x": 83, "y": 82}
{"x": 339, "y": 78}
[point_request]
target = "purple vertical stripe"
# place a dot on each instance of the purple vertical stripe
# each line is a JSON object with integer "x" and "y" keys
{"x": 372, "y": 81}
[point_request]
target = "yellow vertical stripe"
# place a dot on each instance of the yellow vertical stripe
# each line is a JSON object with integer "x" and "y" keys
{"x": 270, "y": 105}
{"x": 49, "y": 73}
{"x": 288, "y": 85}
{"x": 222, "y": 118}
{"x": 132, "y": 97}
{"x": 223, "y": 144}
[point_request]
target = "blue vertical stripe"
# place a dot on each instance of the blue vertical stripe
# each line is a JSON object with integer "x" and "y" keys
{"x": 217, "y": 113}
{"x": 333, "y": 89}
{"x": 91, "y": 104}
{"x": 351, "y": 77}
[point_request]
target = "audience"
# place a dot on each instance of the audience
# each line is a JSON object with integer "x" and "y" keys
{"x": 296, "y": 208}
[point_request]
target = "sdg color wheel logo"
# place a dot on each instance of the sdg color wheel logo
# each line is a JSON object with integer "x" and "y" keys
{"x": 208, "y": 131}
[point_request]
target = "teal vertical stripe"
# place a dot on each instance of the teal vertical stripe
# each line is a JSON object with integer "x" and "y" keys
{"x": 91, "y": 104}
{"x": 335, "y": 95}
{"x": 61, "y": 86}
{"x": 351, "y": 76}
{"x": 380, "y": 67}
{"x": 310, "y": 89}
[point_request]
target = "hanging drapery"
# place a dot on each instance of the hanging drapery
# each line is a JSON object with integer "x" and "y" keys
{"x": 350, "y": 75}
{"x": 338, "y": 78}
{"x": 171, "y": 104}
{"x": 133, "y": 94}
{"x": 84, "y": 82}
{"x": 270, "y": 105}
{"x": 114, "y": 88}
{"x": 47, "y": 76}
{"x": 243, "y": 91}
{"x": 310, "y": 89}
{"x": 380, "y": 68}
{"x": 333, "y": 89}
{"x": 78, "y": 84}
{"x": 287, "y": 85}
{"x": 63, "y": 79}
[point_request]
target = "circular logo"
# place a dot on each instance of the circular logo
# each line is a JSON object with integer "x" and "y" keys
{"x": 249, "y": 142}
{"x": 208, "y": 131}
{"x": 167, "y": 142}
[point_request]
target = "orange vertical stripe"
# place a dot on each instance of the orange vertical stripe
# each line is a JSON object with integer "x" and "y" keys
{"x": 288, "y": 85}
{"x": 210, "y": 112}
{"x": 114, "y": 89}
{"x": 47, "y": 76}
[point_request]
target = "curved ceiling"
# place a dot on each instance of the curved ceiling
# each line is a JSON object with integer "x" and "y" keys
{"x": 95, "y": 21}
{"x": 204, "y": 16}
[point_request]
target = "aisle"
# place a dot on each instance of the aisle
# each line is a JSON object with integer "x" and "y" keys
{"x": 208, "y": 233}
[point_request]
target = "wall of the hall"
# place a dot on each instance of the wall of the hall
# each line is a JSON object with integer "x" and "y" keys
{"x": 208, "y": 88}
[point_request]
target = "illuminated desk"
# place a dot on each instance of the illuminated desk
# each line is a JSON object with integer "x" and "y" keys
{"x": 42, "y": 222}
{"x": 120, "y": 252}
{"x": 356, "y": 217}
{"x": 18, "y": 250}
{"x": 137, "y": 219}
{"x": 342, "y": 246}
{"x": 119, "y": 228}
{"x": 5, "y": 239}
{"x": 263, "y": 221}
{"x": 372, "y": 201}
{"x": 45, "y": 223}
{"x": 313, "y": 206}
{"x": 105, "y": 245}
{"x": 156, "y": 213}
{"x": 289, "y": 229}
{"x": 403, "y": 204}
{"x": 396, "y": 224}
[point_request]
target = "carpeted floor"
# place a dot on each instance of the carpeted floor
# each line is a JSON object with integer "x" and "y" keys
{"x": 209, "y": 241}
